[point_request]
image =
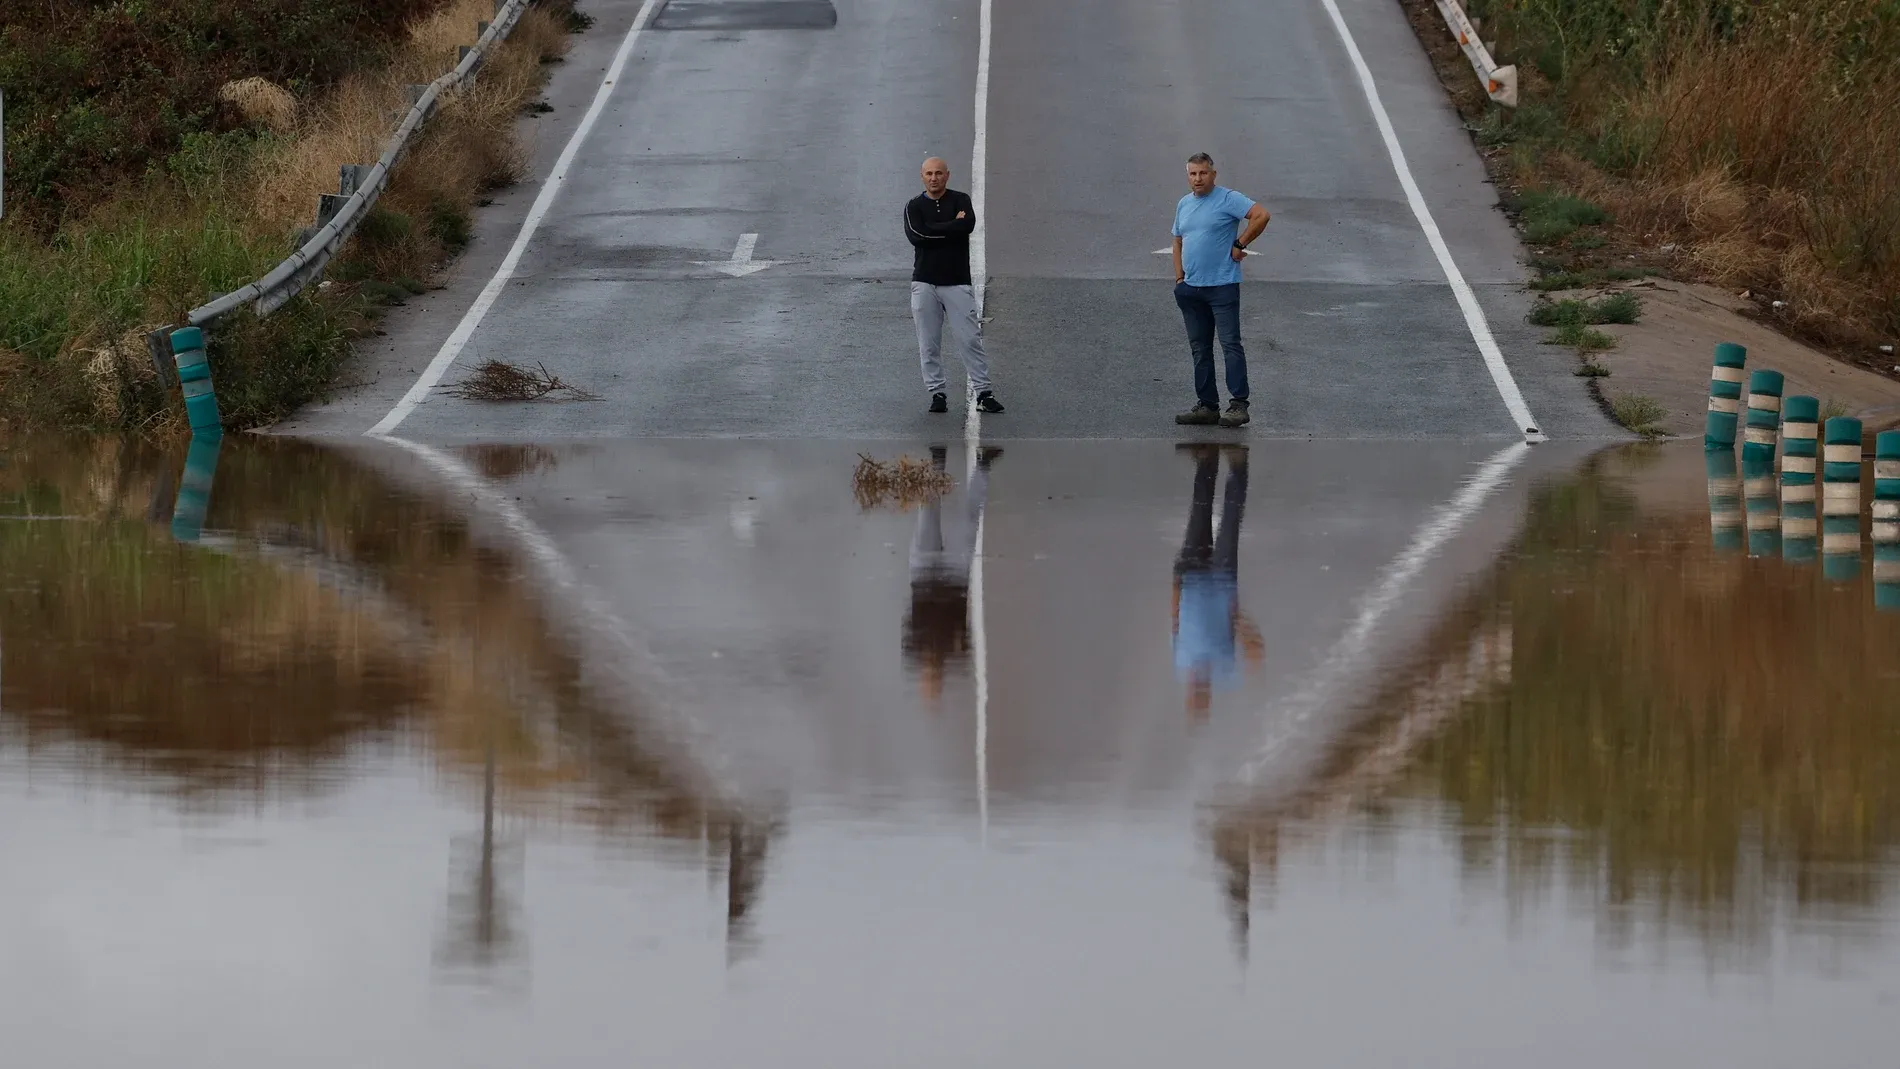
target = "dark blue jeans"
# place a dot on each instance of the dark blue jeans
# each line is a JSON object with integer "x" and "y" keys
{"x": 1211, "y": 310}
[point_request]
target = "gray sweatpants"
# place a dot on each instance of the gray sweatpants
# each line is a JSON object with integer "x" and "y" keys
{"x": 930, "y": 306}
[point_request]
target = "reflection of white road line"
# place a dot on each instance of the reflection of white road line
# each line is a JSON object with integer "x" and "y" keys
{"x": 637, "y": 663}
{"x": 1347, "y": 655}
{"x": 972, "y": 423}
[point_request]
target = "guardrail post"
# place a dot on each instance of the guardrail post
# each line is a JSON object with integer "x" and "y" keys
{"x": 158, "y": 345}
{"x": 461, "y": 53}
{"x": 1725, "y": 396}
{"x": 1840, "y": 499}
{"x": 1725, "y": 502}
{"x": 194, "y": 380}
{"x": 1762, "y": 507}
{"x": 1764, "y": 414}
{"x": 481, "y": 29}
{"x": 1886, "y": 531}
{"x": 194, "y": 490}
{"x": 1800, "y": 428}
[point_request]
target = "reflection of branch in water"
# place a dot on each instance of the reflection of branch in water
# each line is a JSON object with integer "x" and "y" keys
{"x": 745, "y": 872}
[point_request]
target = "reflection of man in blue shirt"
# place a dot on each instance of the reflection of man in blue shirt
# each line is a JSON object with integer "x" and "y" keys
{"x": 1208, "y": 623}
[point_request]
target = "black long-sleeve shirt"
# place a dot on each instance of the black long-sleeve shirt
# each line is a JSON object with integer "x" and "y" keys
{"x": 942, "y": 240}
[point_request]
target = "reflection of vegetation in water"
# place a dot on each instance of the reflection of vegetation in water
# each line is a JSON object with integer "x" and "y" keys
{"x": 1711, "y": 733}
{"x": 343, "y": 610}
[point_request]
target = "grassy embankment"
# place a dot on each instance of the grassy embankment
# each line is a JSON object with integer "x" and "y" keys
{"x": 1744, "y": 143}
{"x": 123, "y": 214}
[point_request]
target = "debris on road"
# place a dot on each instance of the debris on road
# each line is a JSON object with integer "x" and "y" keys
{"x": 496, "y": 380}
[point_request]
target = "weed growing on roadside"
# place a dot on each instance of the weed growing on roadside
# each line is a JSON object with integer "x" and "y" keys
{"x": 1833, "y": 409}
{"x": 1592, "y": 370}
{"x": 1638, "y": 412}
{"x": 1581, "y": 338}
{"x": 1620, "y": 308}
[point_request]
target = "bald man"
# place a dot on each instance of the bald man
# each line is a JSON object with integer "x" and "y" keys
{"x": 938, "y": 223}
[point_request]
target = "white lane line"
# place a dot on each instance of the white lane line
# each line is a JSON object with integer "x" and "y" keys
{"x": 1467, "y": 300}
{"x": 458, "y": 339}
{"x": 1347, "y": 657}
{"x": 972, "y": 423}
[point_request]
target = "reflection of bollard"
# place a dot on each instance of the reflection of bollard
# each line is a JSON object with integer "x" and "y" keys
{"x": 1763, "y": 508}
{"x": 194, "y": 379}
{"x": 1764, "y": 415}
{"x": 1798, "y": 528}
{"x": 1725, "y": 396}
{"x": 194, "y": 490}
{"x": 1800, "y": 429}
{"x": 1887, "y": 521}
{"x": 1725, "y": 501}
{"x": 1840, "y": 499}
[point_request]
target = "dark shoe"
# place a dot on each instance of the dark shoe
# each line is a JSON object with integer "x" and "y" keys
{"x": 987, "y": 402}
{"x": 939, "y": 457}
{"x": 1236, "y": 415}
{"x": 939, "y": 403}
{"x": 1199, "y": 416}
{"x": 987, "y": 454}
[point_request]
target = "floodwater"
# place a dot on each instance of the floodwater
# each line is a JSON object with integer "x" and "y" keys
{"x": 682, "y": 754}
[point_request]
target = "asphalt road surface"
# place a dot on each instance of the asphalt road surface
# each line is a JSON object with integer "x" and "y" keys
{"x": 810, "y": 140}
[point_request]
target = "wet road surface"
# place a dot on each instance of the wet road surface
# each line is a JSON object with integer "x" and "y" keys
{"x": 487, "y": 755}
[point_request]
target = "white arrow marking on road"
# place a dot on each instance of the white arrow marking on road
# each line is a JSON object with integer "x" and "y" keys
{"x": 1169, "y": 249}
{"x": 742, "y": 263}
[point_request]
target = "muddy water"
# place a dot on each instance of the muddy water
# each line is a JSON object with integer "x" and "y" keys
{"x": 1433, "y": 755}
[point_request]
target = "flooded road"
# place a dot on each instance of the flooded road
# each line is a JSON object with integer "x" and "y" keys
{"x": 680, "y": 753}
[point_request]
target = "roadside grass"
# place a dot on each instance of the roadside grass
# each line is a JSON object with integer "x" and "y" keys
{"x": 1833, "y": 408}
{"x": 1639, "y": 413}
{"x": 1744, "y": 143}
{"x": 77, "y": 295}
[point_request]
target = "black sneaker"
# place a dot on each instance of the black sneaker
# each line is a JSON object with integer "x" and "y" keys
{"x": 939, "y": 403}
{"x": 987, "y": 402}
{"x": 1199, "y": 416}
{"x": 1236, "y": 415}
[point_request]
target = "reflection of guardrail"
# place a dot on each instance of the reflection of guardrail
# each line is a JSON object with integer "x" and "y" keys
{"x": 1500, "y": 83}
{"x": 338, "y": 215}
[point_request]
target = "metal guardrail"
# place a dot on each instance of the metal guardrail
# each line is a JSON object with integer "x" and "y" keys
{"x": 1500, "y": 83}
{"x": 340, "y": 214}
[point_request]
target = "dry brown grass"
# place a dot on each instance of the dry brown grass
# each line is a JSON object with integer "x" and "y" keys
{"x": 495, "y": 380}
{"x": 905, "y": 482}
{"x": 264, "y": 103}
{"x": 467, "y": 148}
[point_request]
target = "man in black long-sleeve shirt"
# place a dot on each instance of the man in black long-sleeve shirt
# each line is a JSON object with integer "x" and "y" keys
{"x": 938, "y": 223}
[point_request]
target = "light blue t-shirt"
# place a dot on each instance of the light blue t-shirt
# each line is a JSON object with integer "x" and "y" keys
{"x": 1204, "y": 633}
{"x": 1207, "y": 227}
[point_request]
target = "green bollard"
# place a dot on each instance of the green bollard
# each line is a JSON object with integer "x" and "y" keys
{"x": 194, "y": 489}
{"x": 1764, "y": 415}
{"x": 1840, "y": 499}
{"x": 194, "y": 380}
{"x": 1886, "y": 529}
{"x": 1887, "y": 466}
{"x": 1800, "y": 434}
{"x": 1725, "y": 396}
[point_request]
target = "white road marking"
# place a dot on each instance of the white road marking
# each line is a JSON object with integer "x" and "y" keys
{"x": 1467, "y": 300}
{"x": 973, "y": 425}
{"x": 742, "y": 263}
{"x": 1347, "y": 657}
{"x": 458, "y": 339}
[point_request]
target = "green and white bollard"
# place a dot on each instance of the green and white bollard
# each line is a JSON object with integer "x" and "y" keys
{"x": 1725, "y": 502}
{"x": 194, "y": 380}
{"x": 1886, "y": 530}
{"x": 1764, "y": 416}
{"x": 1762, "y": 507}
{"x": 1798, "y": 526}
{"x": 194, "y": 489}
{"x": 1840, "y": 499}
{"x": 1800, "y": 439}
{"x": 1725, "y": 396}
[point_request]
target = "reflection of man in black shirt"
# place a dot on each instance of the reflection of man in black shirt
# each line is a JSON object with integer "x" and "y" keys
{"x": 937, "y": 628}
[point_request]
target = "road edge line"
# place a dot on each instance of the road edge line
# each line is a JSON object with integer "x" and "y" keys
{"x": 458, "y": 339}
{"x": 1467, "y": 299}
{"x": 972, "y": 421}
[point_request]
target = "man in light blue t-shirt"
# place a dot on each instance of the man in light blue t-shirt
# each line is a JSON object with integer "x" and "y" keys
{"x": 1209, "y": 244}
